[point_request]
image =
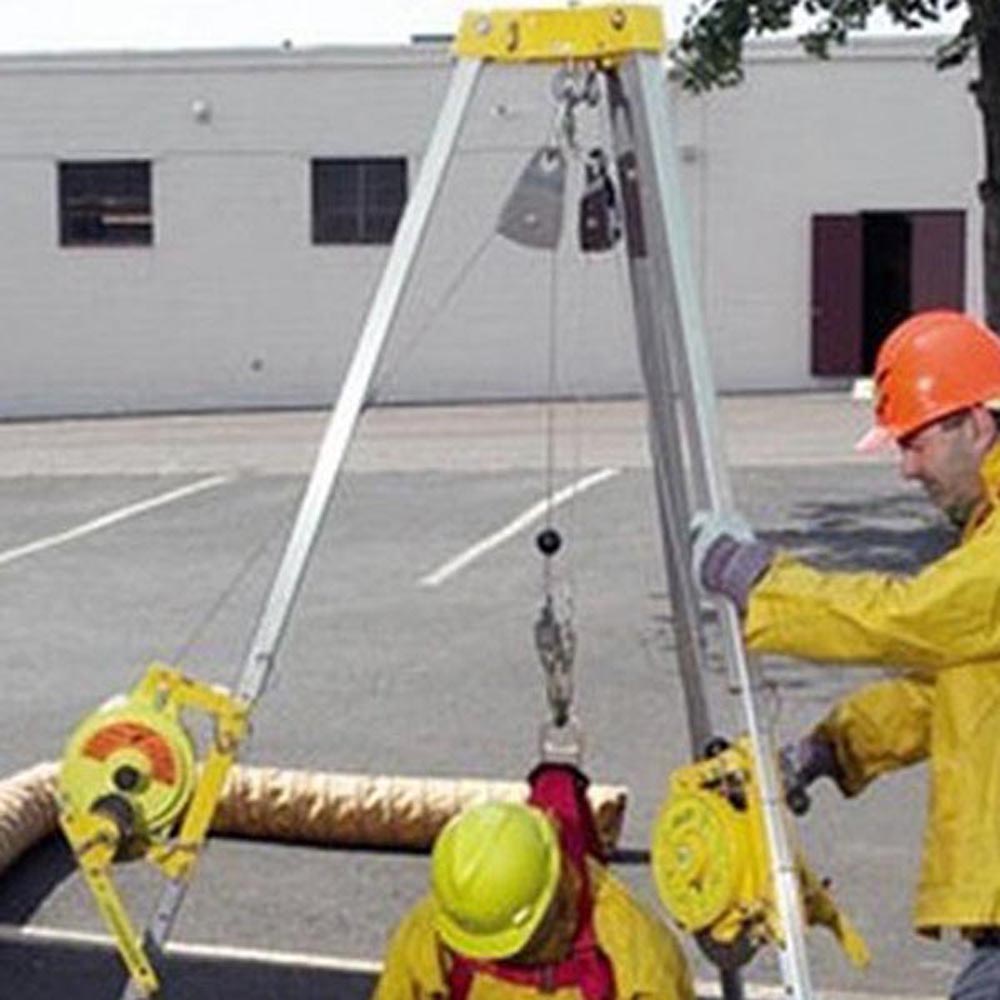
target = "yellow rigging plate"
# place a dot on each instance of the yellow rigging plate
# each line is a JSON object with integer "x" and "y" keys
{"x": 604, "y": 34}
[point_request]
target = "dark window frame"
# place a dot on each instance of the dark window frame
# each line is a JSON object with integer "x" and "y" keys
{"x": 356, "y": 200}
{"x": 105, "y": 203}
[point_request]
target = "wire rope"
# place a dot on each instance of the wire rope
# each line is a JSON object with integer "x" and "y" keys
{"x": 415, "y": 338}
{"x": 236, "y": 580}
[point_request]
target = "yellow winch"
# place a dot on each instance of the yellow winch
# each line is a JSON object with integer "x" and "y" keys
{"x": 130, "y": 787}
{"x": 710, "y": 862}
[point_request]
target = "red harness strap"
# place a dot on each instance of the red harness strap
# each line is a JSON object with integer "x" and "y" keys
{"x": 560, "y": 790}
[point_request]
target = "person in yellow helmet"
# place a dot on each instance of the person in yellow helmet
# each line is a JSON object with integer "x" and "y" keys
{"x": 937, "y": 382}
{"x": 510, "y": 914}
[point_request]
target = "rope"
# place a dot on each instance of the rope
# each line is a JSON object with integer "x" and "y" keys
{"x": 562, "y": 737}
{"x": 550, "y": 416}
{"x": 409, "y": 344}
{"x": 215, "y": 609}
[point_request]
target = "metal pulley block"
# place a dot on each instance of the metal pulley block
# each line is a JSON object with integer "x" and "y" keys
{"x": 600, "y": 220}
{"x": 130, "y": 786}
{"x": 533, "y": 212}
{"x": 711, "y": 866}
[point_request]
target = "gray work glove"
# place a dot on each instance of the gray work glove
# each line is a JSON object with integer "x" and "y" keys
{"x": 726, "y": 556}
{"x": 801, "y": 763}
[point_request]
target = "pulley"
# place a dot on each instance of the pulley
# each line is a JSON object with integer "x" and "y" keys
{"x": 710, "y": 863}
{"x": 532, "y": 215}
{"x": 600, "y": 221}
{"x": 130, "y": 786}
{"x": 133, "y": 765}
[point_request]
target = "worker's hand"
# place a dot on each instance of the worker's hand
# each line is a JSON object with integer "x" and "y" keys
{"x": 802, "y": 762}
{"x": 726, "y": 556}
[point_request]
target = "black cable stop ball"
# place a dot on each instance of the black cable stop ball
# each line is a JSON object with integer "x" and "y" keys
{"x": 549, "y": 541}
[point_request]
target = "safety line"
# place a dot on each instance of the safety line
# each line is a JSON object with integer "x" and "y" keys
{"x": 704, "y": 989}
{"x": 106, "y": 520}
{"x": 534, "y": 513}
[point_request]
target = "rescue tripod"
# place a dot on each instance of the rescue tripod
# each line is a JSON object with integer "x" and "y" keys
{"x": 130, "y": 784}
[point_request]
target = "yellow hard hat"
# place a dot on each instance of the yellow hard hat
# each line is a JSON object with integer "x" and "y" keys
{"x": 494, "y": 871}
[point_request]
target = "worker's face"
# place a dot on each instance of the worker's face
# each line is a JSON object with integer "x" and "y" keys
{"x": 944, "y": 457}
{"x": 553, "y": 937}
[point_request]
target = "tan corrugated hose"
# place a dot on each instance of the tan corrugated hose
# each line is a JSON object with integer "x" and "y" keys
{"x": 353, "y": 810}
{"x": 27, "y": 810}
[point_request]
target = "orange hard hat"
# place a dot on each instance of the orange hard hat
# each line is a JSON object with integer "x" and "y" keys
{"x": 933, "y": 364}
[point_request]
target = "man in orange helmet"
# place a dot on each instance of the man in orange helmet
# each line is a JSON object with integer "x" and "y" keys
{"x": 512, "y": 915}
{"x": 937, "y": 376}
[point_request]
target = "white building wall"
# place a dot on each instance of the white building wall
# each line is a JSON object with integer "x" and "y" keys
{"x": 233, "y": 306}
{"x": 879, "y": 131}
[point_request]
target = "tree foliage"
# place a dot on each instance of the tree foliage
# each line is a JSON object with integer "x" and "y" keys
{"x": 710, "y": 51}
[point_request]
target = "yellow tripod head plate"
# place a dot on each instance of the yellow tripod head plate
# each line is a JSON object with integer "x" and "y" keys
{"x": 604, "y": 34}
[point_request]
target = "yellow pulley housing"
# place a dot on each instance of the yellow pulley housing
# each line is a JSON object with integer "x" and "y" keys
{"x": 710, "y": 862}
{"x": 133, "y": 762}
{"x": 709, "y": 853}
{"x": 700, "y": 858}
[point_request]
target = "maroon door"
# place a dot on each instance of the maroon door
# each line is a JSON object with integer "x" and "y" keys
{"x": 837, "y": 288}
{"x": 937, "y": 260}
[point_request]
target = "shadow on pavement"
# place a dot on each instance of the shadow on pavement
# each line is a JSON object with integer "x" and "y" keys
{"x": 44, "y": 970}
{"x": 890, "y": 534}
{"x": 28, "y": 884}
{"x": 43, "y": 967}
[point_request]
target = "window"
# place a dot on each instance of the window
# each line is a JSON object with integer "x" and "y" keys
{"x": 105, "y": 203}
{"x": 357, "y": 200}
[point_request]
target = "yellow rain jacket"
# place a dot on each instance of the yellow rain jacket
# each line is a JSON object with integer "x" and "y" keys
{"x": 943, "y": 627}
{"x": 647, "y": 960}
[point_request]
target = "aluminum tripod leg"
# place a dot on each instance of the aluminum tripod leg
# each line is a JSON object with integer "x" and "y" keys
{"x": 673, "y": 502}
{"x": 353, "y": 393}
{"x": 263, "y": 649}
{"x": 673, "y": 346}
{"x": 665, "y": 425}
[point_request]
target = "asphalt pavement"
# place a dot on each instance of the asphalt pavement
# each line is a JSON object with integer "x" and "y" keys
{"x": 127, "y": 540}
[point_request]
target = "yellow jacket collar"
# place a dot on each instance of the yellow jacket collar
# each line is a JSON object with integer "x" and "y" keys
{"x": 989, "y": 472}
{"x": 989, "y": 475}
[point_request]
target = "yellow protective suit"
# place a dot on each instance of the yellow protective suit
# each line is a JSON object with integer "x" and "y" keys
{"x": 943, "y": 627}
{"x": 646, "y": 957}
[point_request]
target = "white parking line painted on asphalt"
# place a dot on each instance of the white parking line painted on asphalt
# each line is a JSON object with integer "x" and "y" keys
{"x": 56, "y": 935}
{"x": 522, "y": 521}
{"x": 704, "y": 989}
{"x": 709, "y": 989}
{"x": 113, "y": 517}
